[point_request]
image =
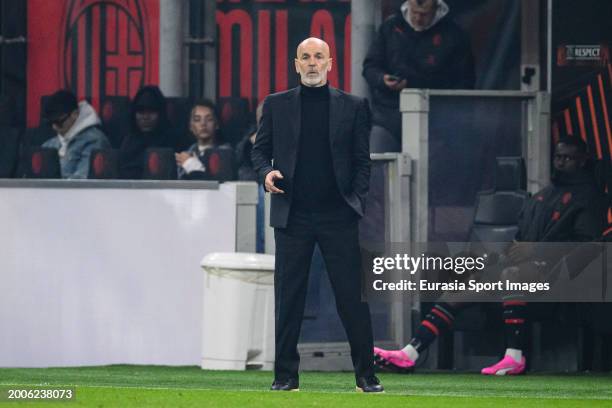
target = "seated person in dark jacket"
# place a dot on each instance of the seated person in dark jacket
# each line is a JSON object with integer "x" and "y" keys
{"x": 9, "y": 138}
{"x": 149, "y": 127}
{"x": 204, "y": 127}
{"x": 572, "y": 210}
{"x": 419, "y": 47}
{"x": 243, "y": 150}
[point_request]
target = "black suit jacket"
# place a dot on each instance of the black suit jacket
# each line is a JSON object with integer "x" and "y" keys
{"x": 277, "y": 142}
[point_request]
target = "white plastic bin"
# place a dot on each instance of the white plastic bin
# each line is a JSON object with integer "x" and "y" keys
{"x": 238, "y": 325}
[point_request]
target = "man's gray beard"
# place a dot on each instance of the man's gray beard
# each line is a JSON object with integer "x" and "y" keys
{"x": 311, "y": 81}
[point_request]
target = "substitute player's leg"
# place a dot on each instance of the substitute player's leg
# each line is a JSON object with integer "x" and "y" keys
{"x": 513, "y": 363}
{"x": 438, "y": 321}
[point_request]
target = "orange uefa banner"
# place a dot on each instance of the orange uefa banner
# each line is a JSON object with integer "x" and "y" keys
{"x": 96, "y": 48}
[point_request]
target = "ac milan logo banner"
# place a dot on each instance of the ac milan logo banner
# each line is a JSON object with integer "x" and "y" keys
{"x": 258, "y": 39}
{"x": 96, "y": 48}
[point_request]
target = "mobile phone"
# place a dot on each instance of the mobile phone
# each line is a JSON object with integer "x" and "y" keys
{"x": 394, "y": 77}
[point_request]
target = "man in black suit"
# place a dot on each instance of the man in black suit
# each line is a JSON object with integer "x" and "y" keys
{"x": 318, "y": 139}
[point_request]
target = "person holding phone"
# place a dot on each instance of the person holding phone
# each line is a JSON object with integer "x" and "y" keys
{"x": 419, "y": 47}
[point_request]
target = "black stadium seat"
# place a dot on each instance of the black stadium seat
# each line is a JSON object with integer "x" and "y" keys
{"x": 497, "y": 210}
{"x": 235, "y": 118}
{"x": 219, "y": 163}
{"x": 37, "y": 136}
{"x": 478, "y": 329}
{"x": 160, "y": 164}
{"x": 178, "y": 111}
{"x": 43, "y": 102}
{"x": 115, "y": 116}
{"x": 41, "y": 163}
{"x": 10, "y": 140}
{"x": 104, "y": 164}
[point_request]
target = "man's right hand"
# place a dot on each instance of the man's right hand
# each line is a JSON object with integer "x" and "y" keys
{"x": 182, "y": 157}
{"x": 269, "y": 182}
{"x": 394, "y": 83}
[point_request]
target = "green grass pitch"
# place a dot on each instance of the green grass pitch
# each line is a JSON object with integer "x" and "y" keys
{"x": 154, "y": 386}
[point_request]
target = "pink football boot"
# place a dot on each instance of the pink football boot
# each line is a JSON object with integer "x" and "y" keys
{"x": 507, "y": 366}
{"x": 393, "y": 360}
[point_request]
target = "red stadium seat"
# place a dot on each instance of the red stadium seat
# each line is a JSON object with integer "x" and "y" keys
{"x": 160, "y": 164}
{"x": 104, "y": 164}
{"x": 41, "y": 163}
{"x": 115, "y": 116}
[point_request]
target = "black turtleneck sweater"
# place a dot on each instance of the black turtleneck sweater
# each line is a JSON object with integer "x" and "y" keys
{"x": 315, "y": 187}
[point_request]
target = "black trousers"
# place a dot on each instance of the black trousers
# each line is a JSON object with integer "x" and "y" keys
{"x": 336, "y": 232}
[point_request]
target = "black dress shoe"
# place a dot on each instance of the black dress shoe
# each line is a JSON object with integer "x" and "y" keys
{"x": 369, "y": 384}
{"x": 291, "y": 384}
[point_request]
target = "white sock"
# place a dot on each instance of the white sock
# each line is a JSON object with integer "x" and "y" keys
{"x": 412, "y": 353}
{"x": 516, "y": 354}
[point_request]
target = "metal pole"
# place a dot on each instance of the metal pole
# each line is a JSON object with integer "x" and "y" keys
{"x": 530, "y": 45}
{"x": 414, "y": 105}
{"x": 363, "y": 28}
{"x": 538, "y": 142}
{"x": 549, "y": 44}
{"x": 171, "y": 47}
{"x": 210, "y": 52}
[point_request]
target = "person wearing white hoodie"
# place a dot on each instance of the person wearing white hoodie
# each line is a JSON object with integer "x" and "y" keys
{"x": 78, "y": 133}
{"x": 418, "y": 47}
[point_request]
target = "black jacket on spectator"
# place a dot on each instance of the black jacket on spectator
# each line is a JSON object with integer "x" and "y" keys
{"x": 439, "y": 57}
{"x": 243, "y": 157}
{"x": 9, "y": 151}
{"x": 571, "y": 209}
{"x": 10, "y": 138}
{"x": 132, "y": 150}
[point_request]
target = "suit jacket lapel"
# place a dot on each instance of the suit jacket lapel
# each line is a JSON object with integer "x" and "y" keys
{"x": 336, "y": 103}
{"x": 295, "y": 114}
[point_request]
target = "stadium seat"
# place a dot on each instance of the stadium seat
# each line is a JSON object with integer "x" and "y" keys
{"x": 104, "y": 164}
{"x": 219, "y": 164}
{"x": 37, "y": 136}
{"x": 10, "y": 139}
{"x": 115, "y": 116}
{"x": 43, "y": 102}
{"x": 33, "y": 137}
{"x": 235, "y": 118}
{"x": 178, "y": 111}
{"x": 478, "y": 330}
{"x": 41, "y": 163}
{"x": 160, "y": 164}
{"x": 497, "y": 210}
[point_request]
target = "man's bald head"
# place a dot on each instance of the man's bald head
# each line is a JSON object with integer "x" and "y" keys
{"x": 312, "y": 61}
{"x": 314, "y": 41}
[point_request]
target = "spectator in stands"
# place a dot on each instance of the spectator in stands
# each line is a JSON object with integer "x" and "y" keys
{"x": 78, "y": 133}
{"x": 9, "y": 138}
{"x": 204, "y": 127}
{"x": 149, "y": 127}
{"x": 247, "y": 173}
{"x": 570, "y": 209}
{"x": 419, "y": 47}
{"x": 243, "y": 150}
